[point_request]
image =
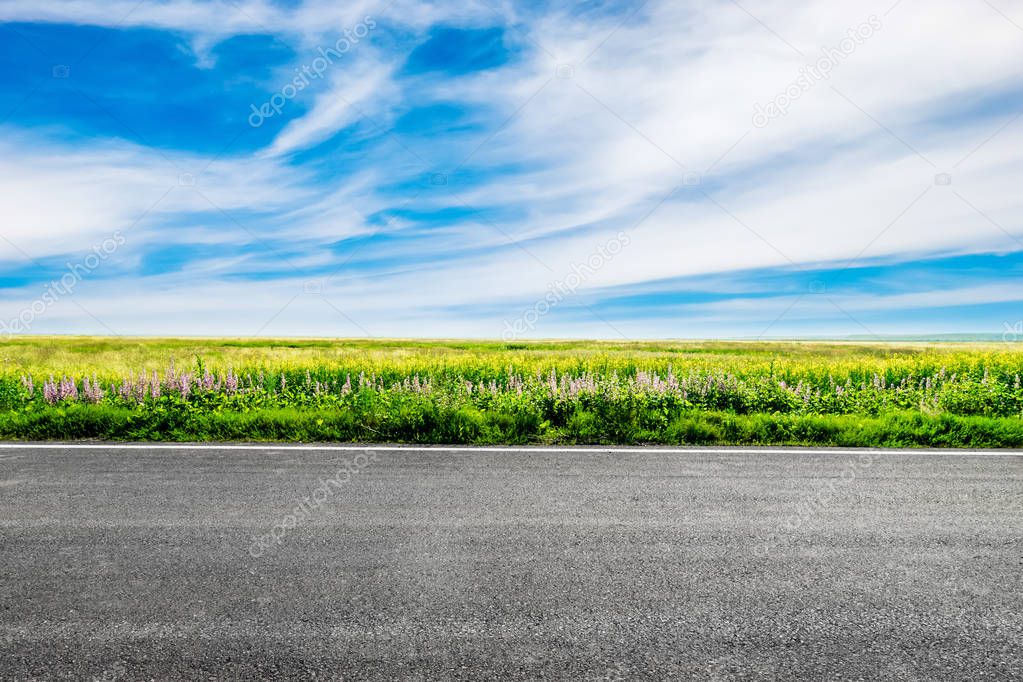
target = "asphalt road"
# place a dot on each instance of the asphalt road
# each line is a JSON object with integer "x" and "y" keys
{"x": 149, "y": 563}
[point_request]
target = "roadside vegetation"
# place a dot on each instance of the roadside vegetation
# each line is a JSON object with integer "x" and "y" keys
{"x": 842, "y": 394}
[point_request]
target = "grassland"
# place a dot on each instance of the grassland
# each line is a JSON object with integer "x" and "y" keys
{"x": 847, "y": 394}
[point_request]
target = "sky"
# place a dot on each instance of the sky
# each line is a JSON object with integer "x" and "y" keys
{"x": 514, "y": 170}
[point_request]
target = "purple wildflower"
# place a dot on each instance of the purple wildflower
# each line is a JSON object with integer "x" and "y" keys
{"x": 50, "y": 391}
{"x": 92, "y": 390}
{"x": 68, "y": 389}
{"x": 231, "y": 382}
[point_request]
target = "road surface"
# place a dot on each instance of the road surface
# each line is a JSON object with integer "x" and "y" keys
{"x": 123, "y": 563}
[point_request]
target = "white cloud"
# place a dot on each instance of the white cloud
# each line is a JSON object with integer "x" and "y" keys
{"x": 354, "y": 95}
{"x": 592, "y": 154}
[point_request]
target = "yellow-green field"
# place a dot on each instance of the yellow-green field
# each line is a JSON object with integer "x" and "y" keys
{"x": 80, "y": 355}
{"x": 870, "y": 394}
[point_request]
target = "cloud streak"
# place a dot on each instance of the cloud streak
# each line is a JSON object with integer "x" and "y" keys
{"x": 463, "y": 182}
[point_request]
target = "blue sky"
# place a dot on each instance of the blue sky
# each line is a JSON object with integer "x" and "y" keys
{"x": 511, "y": 169}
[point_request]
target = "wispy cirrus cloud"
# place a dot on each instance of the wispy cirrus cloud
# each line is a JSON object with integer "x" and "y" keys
{"x": 464, "y": 155}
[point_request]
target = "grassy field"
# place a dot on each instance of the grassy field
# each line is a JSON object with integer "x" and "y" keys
{"x": 848, "y": 394}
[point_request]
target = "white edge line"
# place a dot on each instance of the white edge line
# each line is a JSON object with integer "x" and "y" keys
{"x": 508, "y": 449}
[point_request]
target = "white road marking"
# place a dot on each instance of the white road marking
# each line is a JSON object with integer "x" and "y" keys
{"x": 508, "y": 449}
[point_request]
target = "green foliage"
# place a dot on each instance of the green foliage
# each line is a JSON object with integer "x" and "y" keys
{"x": 695, "y": 393}
{"x": 469, "y": 426}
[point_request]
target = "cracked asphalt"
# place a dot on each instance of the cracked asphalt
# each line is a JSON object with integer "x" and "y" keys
{"x": 283, "y": 563}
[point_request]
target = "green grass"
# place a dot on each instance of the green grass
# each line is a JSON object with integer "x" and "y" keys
{"x": 476, "y": 392}
{"x": 468, "y": 426}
